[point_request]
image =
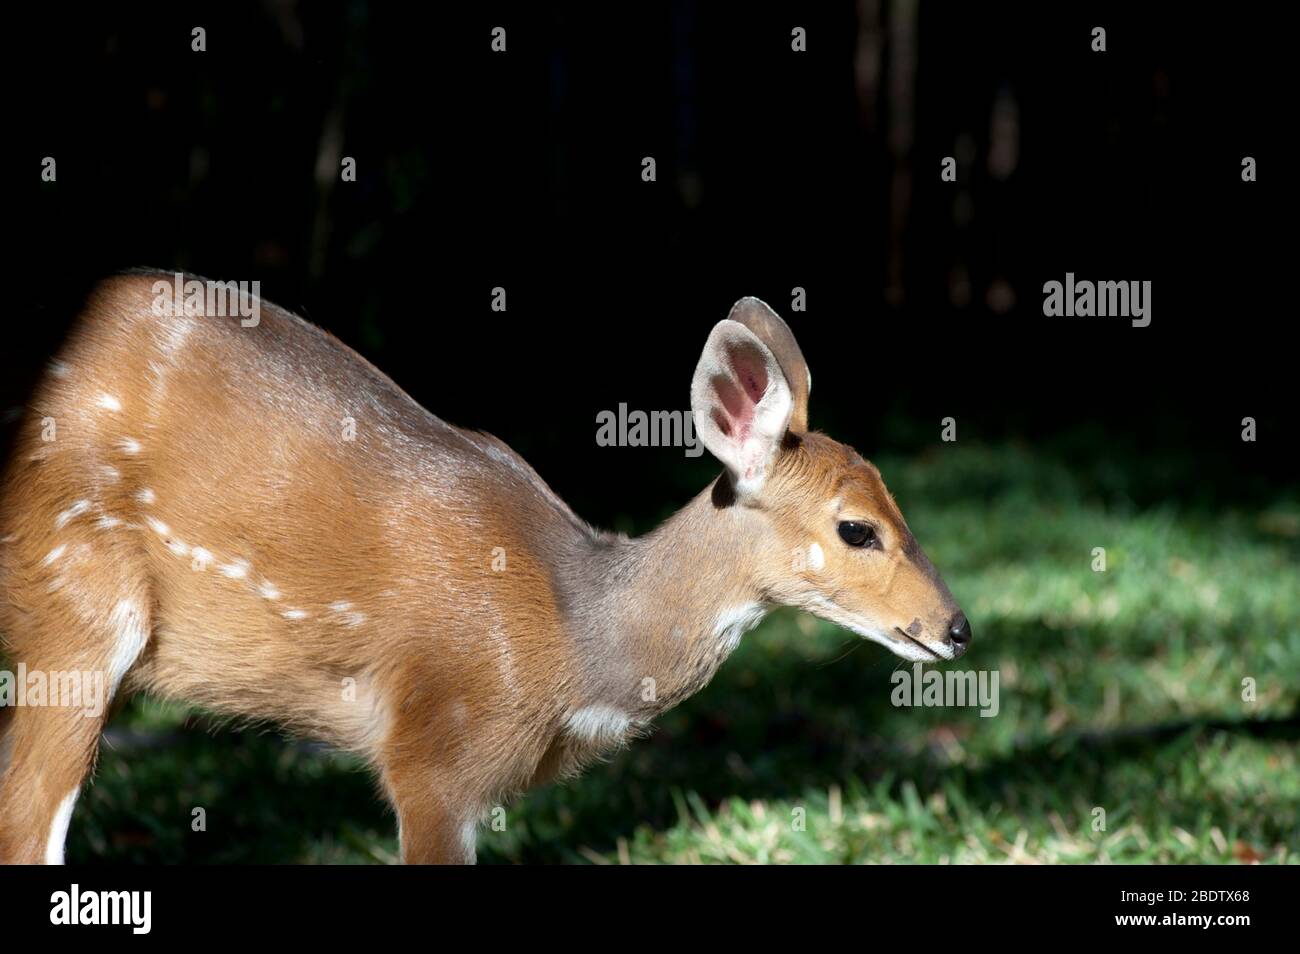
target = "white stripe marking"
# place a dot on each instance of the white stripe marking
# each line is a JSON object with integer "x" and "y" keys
{"x": 235, "y": 569}
{"x": 127, "y": 619}
{"x": 59, "y": 829}
{"x": 76, "y": 510}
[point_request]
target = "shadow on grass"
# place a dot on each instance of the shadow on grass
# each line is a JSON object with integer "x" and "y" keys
{"x": 773, "y": 725}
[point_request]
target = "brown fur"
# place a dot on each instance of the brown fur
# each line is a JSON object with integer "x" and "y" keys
{"x": 463, "y": 681}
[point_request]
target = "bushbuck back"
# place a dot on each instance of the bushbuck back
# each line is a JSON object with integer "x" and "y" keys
{"x": 257, "y": 521}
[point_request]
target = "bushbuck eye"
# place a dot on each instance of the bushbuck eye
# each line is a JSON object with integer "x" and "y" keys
{"x": 857, "y": 534}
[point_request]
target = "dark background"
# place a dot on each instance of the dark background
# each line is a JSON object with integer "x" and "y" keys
{"x": 775, "y": 169}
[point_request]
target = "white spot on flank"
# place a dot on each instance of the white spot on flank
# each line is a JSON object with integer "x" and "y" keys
{"x": 59, "y": 829}
{"x": 107, "y": 522}
{"x": 76, "y": 510}
{"x": 504, "y": 657}
{"x": 129, "y": 445}
{"x": 54, "y": 554}
{"x": 178, "y": 547}
{"x": 144, "y": 495}
{"x": 58, "y": 369}
{"x": 736, "y": 622}
{"x": 109, "y": 472}
{"x": 127, "y": 619}
{"x": 268, "y": 591}
{"x": 158, "y": 527}
{"x": 816, "y": 559}
{"x": 174, "y": 331}
{"x": 235, "y": 569}
{"x": 295, "y": 614}
{"x": 598, "y": 723}
{"x": 202, "y": 558}
{"x": 344, "y": 609}
{"x": 109, "y": 403}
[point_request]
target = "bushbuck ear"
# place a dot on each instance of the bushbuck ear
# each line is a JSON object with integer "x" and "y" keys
{"x": 776, "y": 334}
{"x": 741, "y": 402}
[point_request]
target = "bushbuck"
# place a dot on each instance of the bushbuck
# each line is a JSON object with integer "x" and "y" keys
{"x": 254, "y": 520}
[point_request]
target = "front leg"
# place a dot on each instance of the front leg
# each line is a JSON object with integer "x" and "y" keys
{"x": 433, "y": 827}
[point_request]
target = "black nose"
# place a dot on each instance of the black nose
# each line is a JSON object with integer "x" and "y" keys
{"x": 959, "y": 630}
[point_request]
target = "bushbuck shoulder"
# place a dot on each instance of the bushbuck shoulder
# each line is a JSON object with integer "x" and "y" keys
{"x": 257, "y": 521}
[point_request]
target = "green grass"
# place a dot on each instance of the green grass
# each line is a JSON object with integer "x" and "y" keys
{"x": 1120, "y": 690}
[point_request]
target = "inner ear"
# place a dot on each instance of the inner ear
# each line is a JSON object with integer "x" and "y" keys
{"x": 750, "y": 370}
{"x": 739, "y": 392}
{"x": 741, "y": 403}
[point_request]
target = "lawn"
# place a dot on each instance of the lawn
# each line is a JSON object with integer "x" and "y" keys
{"x": 1121, "y": 692}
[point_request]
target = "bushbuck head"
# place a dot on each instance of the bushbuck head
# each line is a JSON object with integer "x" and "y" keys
{"x": 828, "y": 537}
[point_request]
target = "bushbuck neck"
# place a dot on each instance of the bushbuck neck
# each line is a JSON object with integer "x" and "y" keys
{"x": 672, "y": 604}
{"x": 249, "y": 517}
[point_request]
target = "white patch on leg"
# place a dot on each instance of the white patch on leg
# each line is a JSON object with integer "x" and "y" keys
{"x": 59, "y": 829}
{"x": 131, "y": 634}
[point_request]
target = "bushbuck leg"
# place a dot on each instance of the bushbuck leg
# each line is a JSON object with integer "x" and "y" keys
{"x": 51, "y": 747}
{"x": 253, "y": 519}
